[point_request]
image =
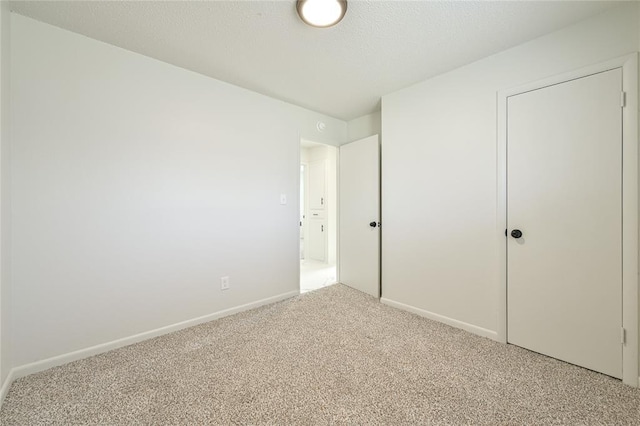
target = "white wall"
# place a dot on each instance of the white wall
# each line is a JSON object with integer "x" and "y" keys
{"x": 137, "y": 185}
{"x": 361, "y": 127}
{"x": 5, "y": 199}
{"x": 439, "y": 193}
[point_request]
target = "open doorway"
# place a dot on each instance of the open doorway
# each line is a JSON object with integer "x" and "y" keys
{"x": 318, "y": 215}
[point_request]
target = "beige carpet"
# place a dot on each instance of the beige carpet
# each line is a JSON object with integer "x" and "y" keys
{"x": 333, "y": 356}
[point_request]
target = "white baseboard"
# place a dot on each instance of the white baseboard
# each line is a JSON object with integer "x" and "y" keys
{"x": 45, "y": 364}
{"x": 4, "y": 390}
{"x": 493, "y": 335}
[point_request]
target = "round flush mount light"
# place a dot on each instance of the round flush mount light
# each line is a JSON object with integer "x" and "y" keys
{"x": 321, "y": 13}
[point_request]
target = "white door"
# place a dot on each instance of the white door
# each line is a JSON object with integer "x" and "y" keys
{"x": 317, "y": 239}
{"x": 564, "y": 182}
{"x": 360, "y": 215}
{"x": 317, "y": 184}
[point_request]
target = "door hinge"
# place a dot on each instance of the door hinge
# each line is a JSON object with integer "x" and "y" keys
{"x": 623, "y": 99}
{"x": 623, "y": 336}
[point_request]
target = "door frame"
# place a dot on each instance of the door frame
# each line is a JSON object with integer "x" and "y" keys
{"x": 305, "y": 230}
{"x": 630, "y": 244}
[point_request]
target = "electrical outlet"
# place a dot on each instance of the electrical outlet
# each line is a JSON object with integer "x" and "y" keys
{"x": 224, "y": 283}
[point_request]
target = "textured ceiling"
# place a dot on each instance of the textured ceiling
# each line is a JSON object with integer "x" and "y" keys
{"x": 342, "y": 71}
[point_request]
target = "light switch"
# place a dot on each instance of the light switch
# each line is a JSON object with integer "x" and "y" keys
{"x": 283, "y": 199}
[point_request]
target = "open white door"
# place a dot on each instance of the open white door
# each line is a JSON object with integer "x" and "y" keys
{"x": 360, "y": 215}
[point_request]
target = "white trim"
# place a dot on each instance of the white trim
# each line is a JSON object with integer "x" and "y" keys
{"x": 338, "y": 213}
{"x": 629, "y": 65}
{"x": 45, "y": 364}
{"x": 630, "y": 220}
{"x": 501, "y": 220}
{"x": 441, "y": 318}
{"x": 4, "y": 390}
{"x": 304, "y": 241}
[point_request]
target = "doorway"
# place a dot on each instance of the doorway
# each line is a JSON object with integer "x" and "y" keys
{"x": 318, "y": 215}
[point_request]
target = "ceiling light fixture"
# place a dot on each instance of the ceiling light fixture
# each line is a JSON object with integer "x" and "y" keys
{"x": 321, "y": 13}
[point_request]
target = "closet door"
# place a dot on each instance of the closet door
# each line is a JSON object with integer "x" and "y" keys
{"x": 564, "y": 209}
{"x": 317, "y": 184}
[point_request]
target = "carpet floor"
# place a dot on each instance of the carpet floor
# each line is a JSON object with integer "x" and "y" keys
{"x": 334, "y": 356}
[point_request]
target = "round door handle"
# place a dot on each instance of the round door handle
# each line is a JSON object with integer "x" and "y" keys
{"x": 516, "y": 233}
{"x": 373, "y": 224}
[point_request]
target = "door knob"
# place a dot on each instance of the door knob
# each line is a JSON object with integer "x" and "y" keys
{"x": 373, "y": 224}
{"x": 516, "y": 233}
